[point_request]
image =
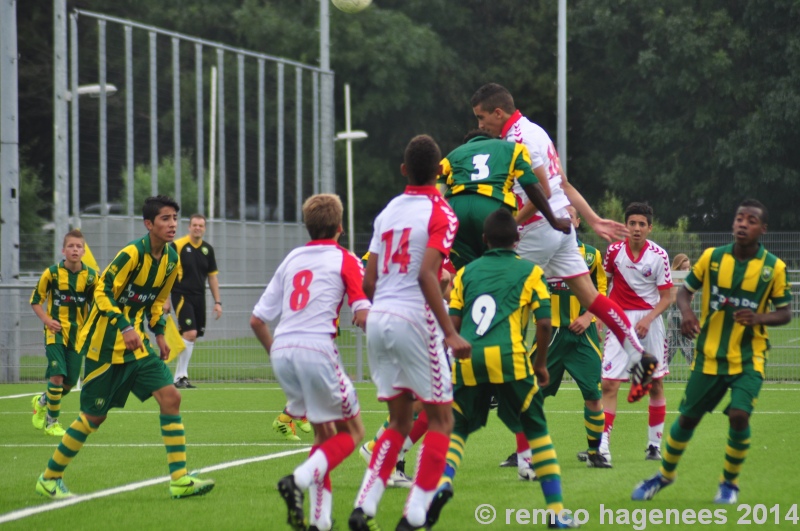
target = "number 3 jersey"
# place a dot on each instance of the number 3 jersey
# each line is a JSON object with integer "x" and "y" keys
{"x": 308, "y": 289}
{"x": 411, "y": 222}
{"x": 494, "y": 296}
{"x": 487, "y": 166}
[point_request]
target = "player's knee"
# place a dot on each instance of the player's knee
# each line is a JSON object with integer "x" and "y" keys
{"x": 441, "y": 420}
{"x": 190, "y": 335}
{"x": 57, "y": 380}
{"x": 739, "y": 419}
{"x": 593, "y": 405}
{"x": 688, "y": 423}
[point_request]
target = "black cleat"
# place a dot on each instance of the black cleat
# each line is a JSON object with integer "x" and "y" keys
{"x": 642, "y": 377}
{"x": 510, "y": 461}
{"x": 598, "y": 460}
{"x": 293, "y": 497}
{"x": 440, "y": 499}
{"x": 360, "y": 521}
{"x": 403, "y": 525}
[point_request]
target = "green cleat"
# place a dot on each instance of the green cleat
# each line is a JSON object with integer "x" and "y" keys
{"x": 52, "y": 488}
{"x": 303, "y": 424}
{"x": 55, "y": 429}
{"x": 286, "y": 429}
{"x": 39, "y": 413}
{"x": 190, "y": 485}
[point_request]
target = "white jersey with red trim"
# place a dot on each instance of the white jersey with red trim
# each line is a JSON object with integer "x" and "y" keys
{"x": 308, "y": 289}
{"x": 410, "y": 223}
{"x": 543, "y": 153}
{"x": 634, "y": 283}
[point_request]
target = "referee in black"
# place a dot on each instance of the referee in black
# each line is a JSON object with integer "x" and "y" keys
{"x": 198, "y": 263}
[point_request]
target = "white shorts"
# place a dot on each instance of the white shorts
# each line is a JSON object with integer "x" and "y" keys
{"x": 406, "y": 354}
{"x": 555, "y": 252}
{"x": 309, "y": 371}
{"x": 615, "y": 359}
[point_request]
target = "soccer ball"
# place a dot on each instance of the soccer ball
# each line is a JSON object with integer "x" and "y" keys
{"x": 352, "y": 6}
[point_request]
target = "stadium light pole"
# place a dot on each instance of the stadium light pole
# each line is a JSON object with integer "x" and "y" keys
{"x": 348, "y": 135}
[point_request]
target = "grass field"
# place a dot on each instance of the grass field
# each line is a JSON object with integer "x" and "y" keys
{"x": 228, "y": 423}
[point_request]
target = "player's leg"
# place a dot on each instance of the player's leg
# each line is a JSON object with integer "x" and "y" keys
{"x": 187, "y": 326}
{"x": 703, "y": 392}
{"x": 656, "y": 413}
{"x": 583, "y": 363}
{"x": 284, "y": 425}
{"x": 152, "y": 377}
{"x": 58, "y": 367}
{"x": 609, "y": 402}
{"x": 526, "y": 396}
{"x": 96, "y": 399}
{"x": 655, "y": 342}
{"x": 745, "y": 389}
{"x": 470, "y": 413}
{"x": 642, "y": 364}
{"x": 335, "y": 416}
{"x": 394, "y": 344}
{"x": 399, "y": 478}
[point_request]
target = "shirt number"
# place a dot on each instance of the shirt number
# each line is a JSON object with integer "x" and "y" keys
{"x": 483, "y": 310}
{"x": 400, "y": 255}
{"x": 300, "y": 295}
{"x": 479, "y": 162}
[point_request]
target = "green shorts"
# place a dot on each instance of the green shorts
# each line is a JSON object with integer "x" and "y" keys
{"x": 580, "y": 356}
{"x": 520, "y": 405}
{"x": 705, "y": 391}
{"x": 471, "y": 211}
{"x": 107, "y": 385}
{"x": 63, "y": 361}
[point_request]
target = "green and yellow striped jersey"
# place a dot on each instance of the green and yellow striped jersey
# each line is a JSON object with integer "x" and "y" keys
{"x": 564, "y": 304}
{"x": 131, "y": 292}
{"x": 724, "y": 346}
{"x": 487, "y": 166}
{"x": 68, "y": 295}
{"x": 494, "y": 296}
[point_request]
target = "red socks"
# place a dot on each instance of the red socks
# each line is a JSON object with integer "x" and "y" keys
{"x": 432, "y": 460}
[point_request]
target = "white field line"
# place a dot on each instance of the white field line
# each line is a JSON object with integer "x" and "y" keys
{"x": 157, "y": 445}
{"x": 31, "y": 511}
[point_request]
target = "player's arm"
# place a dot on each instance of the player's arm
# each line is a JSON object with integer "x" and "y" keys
{"x": 39, "y": 295}
{"x": 213, "y": 284}
{"x": 262, "y": 333}
{"x": 537, "y": 197}
{"x": 428, "y": 280}
{"x": 112, "y": 282}
{"x": 371, "y": 276}
{"x": 781, "y": 298}
{"x": 536, "y": 295}
{"x": 605, "y": 228}
{"x": 664, "y": 301}
{"x": 353, "y": 277}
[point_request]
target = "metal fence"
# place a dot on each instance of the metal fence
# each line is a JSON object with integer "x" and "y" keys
{"x": 230, "y": 353}
{"x": 231, "y": 133}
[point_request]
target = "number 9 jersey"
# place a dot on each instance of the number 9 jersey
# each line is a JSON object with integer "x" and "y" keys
{"x": 308, "y": 289}
{"x": 494, "y": 296}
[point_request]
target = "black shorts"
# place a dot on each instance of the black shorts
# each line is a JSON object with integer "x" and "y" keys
{"x": 191, "y": 312}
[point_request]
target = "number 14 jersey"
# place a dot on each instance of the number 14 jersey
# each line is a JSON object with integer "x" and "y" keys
{"x": 308, "y": 289}
{"x": 410, "y": 223}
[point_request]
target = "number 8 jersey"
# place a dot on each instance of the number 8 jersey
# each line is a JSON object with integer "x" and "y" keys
{"x": 494, "y": 296}
{"x": 308, "y": 289}
{"x": 411, "y": 222}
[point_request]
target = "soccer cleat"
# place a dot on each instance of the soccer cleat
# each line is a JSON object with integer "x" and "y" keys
{"x": 652, "y": 453}
{"x": 642, "y": 377}
{"x": 53, "y": 488}
{"x": 583, "y": 456}
{"x": 563, "y": 521}
{"x": 286, "y": 429}
{"x": 493, "y": 403}
{"x": 190, "y": 485}
{"x": 527, "y": 474}
{"x": 55, "y": 429}
{"x": 728, "y": 493}
{"x": 440, "y": 499}
{"x": 648, "y": 488}
{"x": 398, "y": 479}
{"x": 360, "y": 521}
{"x": 510, "y": 461}
{"x": 598, "y": 460}
{"x": 404, "y": 525}
{"x": 181, "y": 383}
{"x": 303, "y": 424}
{"x": 293, "y": 497}
{"x": 365, "y": 452}
{"x": 39, "y": 413}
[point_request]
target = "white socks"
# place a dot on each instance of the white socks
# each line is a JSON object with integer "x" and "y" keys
{"x": 182, "y": 367}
